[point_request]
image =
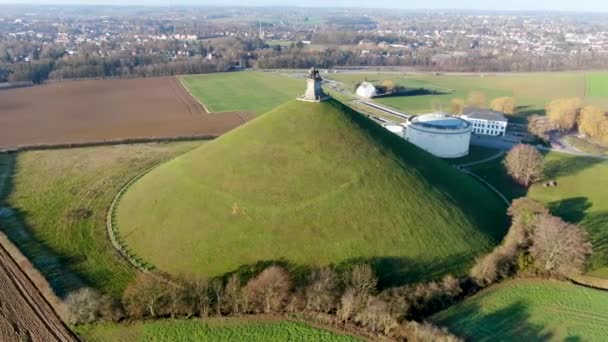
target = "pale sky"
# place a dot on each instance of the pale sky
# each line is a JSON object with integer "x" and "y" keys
{"x": 536, "y": 5}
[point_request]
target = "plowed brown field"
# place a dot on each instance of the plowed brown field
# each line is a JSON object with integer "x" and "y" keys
{"x": 24, "y": 313}
{"x": 106, "y": 110}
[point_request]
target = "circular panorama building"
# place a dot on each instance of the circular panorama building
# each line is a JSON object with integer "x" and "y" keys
{"x": 443, "y": 135}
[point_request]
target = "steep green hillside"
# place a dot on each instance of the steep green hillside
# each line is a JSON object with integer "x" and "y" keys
{"x": 310, "y": 184}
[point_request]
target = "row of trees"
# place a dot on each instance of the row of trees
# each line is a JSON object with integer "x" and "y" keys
{"x": 477, "y": 99}
{"x": 567, "y": 114}
{"x": 349, "y": 298}
{"x": 537, "y": 244}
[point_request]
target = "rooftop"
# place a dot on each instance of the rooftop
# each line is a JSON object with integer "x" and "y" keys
{"x": 439, "y": 121}
{"x": 485, "y": 114}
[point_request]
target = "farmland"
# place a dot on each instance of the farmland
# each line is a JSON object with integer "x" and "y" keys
{"x": 105, "y": 110}
{"x": 530, "y": 310}
{"x": 310, "y": 184}
{"x": 233, "y": 329}
{"x": 243, "y": 91}
{"x": 60, "y": 199}
{"x": 531, "y": 91}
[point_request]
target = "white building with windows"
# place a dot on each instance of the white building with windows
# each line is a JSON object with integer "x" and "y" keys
{"x": 485, "y": 121}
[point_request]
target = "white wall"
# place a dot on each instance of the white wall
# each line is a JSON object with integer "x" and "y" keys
{"x": 440, "y": 144}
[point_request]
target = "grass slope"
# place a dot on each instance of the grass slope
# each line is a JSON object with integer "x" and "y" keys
{"x": 60, "y": 199}
{"x": 581, "y": 196}
{"x": 311, "y": 184}
{"x": 243, "y": 91}
{"x": 530, "y": 310}
{"x": 209, "y": 330}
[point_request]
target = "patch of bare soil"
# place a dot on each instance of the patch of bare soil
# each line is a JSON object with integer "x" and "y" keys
{"x": 97, "y": 111}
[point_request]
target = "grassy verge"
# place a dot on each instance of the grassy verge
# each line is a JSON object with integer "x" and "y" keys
{"x": 59, "y": 200}
{"x": 213, "y": 329}
{"x": 530, "y": 310}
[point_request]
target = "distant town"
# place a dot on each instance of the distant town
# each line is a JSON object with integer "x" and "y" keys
{"x": 59, "y": 42}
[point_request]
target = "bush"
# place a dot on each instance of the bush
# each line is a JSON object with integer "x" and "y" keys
{"x": 322, "y": 293}
{"x": 426, "y": 332}
{"x": 146, "y": 296}
{"x": 87, "y": 306}
{"x": 269, "y": 290}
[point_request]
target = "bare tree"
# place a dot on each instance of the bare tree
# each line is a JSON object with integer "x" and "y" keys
{"x": 592, "y": 121}
{"x": 457, "y": 106}
{"x": 182, "y": 300}
{"x": 348, "y": 304}
{"x": 217, "y": 288}
{"x": 201, "y": 290}
{"x": 505, "y": 104}
{"x": 476, "y": 99}
{"x": 559, "y": 248}
{"x": 564, "y": 112}
{"x": 83, "y": 306}
{"x": 322, "y": 291}
{"x": 524, "y": 163}
{"x": 268, "y": 291}
{"x": 232, "y": 294}
{"x": 376, "y": 316}
{"x": 146, "y": 295}
{"x": 362, "y": 279}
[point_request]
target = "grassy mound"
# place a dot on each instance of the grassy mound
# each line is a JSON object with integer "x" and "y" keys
{"x": 530, "y": 310}
{"x": 310, "y": 184}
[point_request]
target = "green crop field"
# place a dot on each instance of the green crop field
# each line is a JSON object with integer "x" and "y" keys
{"x": 581, "y": 196}
{"x": 531, "y": 91}
{"x": 530, "y": 310}
{"x": 247, "y": 91}
{"x": 310, "y": 184}
{"x": 60, "y": 198}
{"x": 231, "y": 329}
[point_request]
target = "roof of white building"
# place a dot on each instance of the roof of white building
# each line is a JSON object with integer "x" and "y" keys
{"x": 484, "y": 114}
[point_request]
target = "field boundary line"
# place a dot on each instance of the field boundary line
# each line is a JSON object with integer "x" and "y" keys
{"x": 112, "y": 228}
{"x": 180, "y": 81}
{"x": 496, "y": 156}
{"x": 106, "y": 143}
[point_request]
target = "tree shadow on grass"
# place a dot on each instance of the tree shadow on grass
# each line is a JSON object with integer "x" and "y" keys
{"x": 391, "y": 271}
{"x": 596, "y": 224}
{"x": 556, "y": 168}
{"x": 409, "y": 92}
{"x": 52, "y": 264}
{"x": 511, "y": 323}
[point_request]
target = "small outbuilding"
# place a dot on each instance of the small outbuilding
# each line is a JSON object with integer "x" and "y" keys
{"x": 366, "y": 90}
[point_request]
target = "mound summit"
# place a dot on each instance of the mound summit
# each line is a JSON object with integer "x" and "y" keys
{"x": 310, "y": 184}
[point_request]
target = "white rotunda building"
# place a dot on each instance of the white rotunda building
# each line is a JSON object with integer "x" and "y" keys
{"x": 366, "y": 90}
{"x": 441, "y": 134}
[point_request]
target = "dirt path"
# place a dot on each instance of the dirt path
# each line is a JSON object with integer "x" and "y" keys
{"x": 24, "y": 313}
